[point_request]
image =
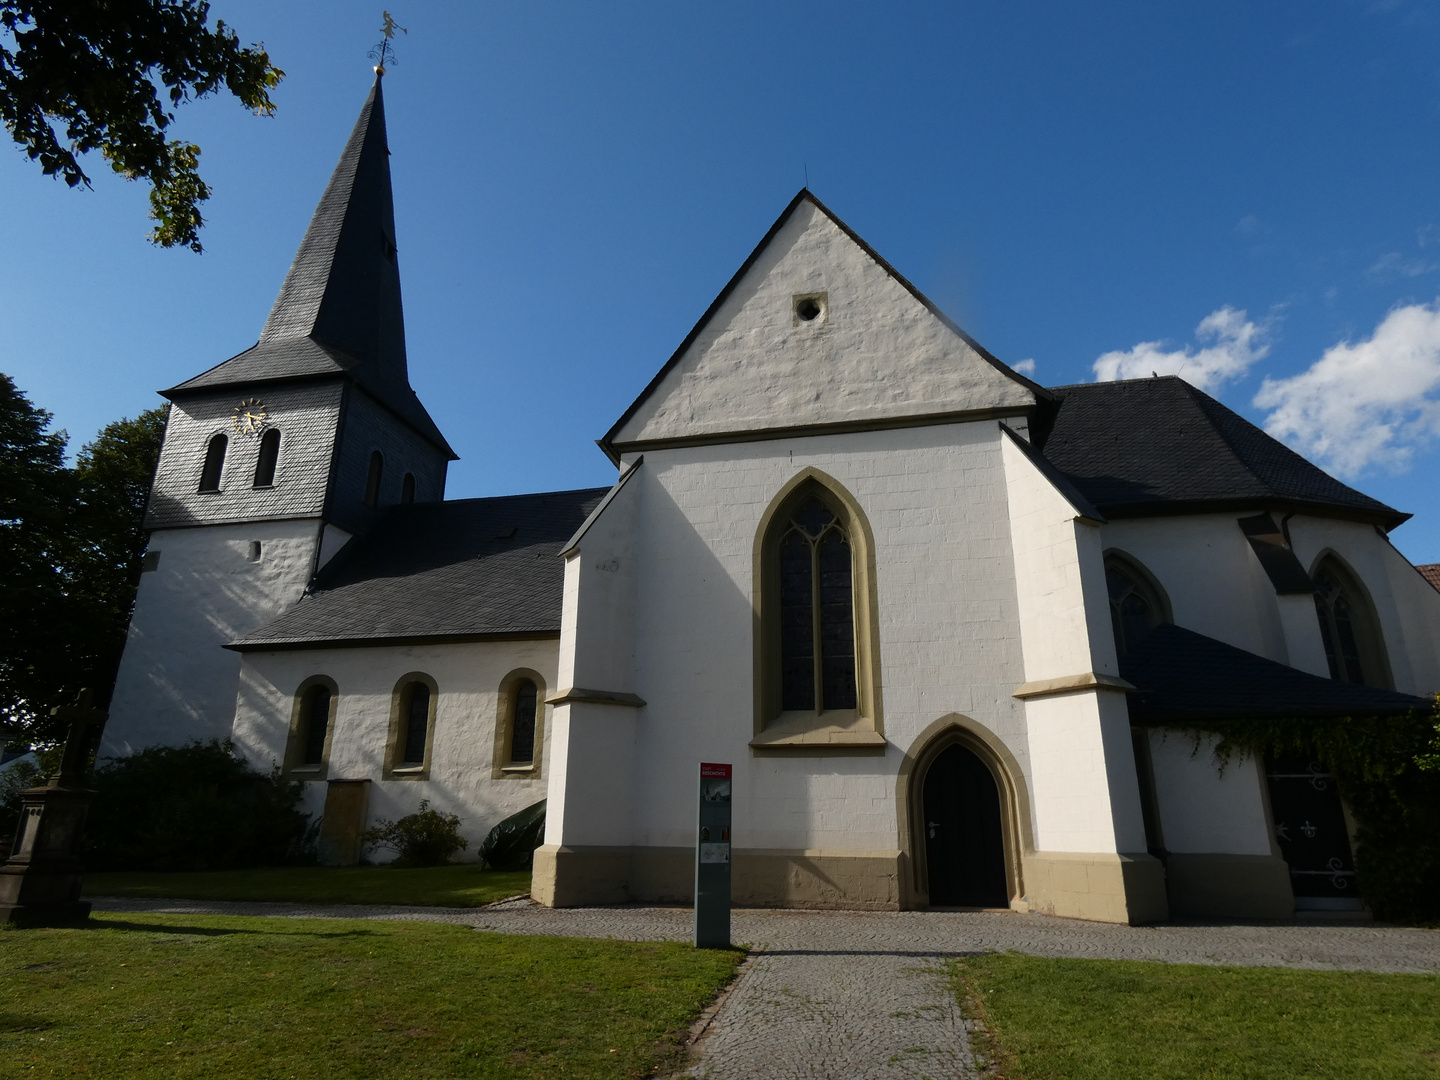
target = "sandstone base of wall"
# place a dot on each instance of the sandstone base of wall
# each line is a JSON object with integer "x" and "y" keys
{"x": 1103, "y": 887}
{"x": 843, "y": 880}
{"x": 1229, "y": 886}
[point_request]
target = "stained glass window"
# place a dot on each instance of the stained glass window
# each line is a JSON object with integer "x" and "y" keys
{"x": 1342, "y": 628}
{"x": 522, "y": 724}
{"x": 416, "y": 701}
{"x": 817, "y": 622}
{"x": 1134, "y": 609}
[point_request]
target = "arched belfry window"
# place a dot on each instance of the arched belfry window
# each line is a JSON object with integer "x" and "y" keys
{"x": 269, "y": 456}
{"x": 519, "y": 725}
{"x": 372, "y": 480}
{"x": 312, "y": 724}
{"x": 1137, "y": 604}
{"x": 1354, "y": 648}
{"x": 816, "y": 650}
{"x": 214, "y": 463}
{"x": 412, "y": 727}
{"x": 817, "y": 611}
{"x": 407, "y": 488}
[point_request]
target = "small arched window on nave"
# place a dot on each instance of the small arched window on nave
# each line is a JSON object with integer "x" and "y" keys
{"x": 1137, "y": 605}
{"x": 1354, "y": 648}
{"x": 214, "y": 463}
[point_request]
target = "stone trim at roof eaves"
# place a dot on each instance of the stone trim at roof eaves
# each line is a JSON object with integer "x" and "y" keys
{"x": 374, "y": 642}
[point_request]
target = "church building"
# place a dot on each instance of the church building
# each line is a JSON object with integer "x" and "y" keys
{"x": 958, "y": 634}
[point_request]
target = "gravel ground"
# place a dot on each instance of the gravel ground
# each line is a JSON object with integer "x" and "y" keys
{"x": 842, "y": 995}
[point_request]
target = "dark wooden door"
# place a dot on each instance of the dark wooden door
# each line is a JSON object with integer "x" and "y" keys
{"x": 964, "y": 842}
{"x": 1311, "y": 831}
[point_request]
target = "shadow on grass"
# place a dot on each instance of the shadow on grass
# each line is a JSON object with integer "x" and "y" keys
{"x": 217, "y": 931}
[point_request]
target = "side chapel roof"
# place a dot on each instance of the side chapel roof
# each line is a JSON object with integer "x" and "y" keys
{"x": 1183, "y": 677}
{"x": 464, "y": 569}
{"x": 339, "y": 310}
{"x": 1146, "y": 446}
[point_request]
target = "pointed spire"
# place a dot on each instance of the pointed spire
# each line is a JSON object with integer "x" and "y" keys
{"x": 339, "y": 310}
{"x": 343, "y": 288}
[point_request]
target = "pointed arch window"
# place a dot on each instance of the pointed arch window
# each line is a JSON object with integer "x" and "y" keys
{"x": 268, "y": 458}
{"x": 372, "y": 480}
{"x": 1354, "y": 648}
{"x": 1137, "y": 604}
{"x": 214, "y": 463}
{"x": 407, "y": 488}
{"x": 815, "y": 655}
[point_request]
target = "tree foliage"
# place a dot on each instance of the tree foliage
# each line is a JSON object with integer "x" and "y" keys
{"x": 105, "y": 75}
{"x": 71, "y": 540}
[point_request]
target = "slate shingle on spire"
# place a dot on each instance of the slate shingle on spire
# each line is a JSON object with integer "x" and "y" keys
{"x": 339, "y": 310}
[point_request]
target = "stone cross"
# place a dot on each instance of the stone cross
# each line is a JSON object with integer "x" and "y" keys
{"x": 82, "y": 722}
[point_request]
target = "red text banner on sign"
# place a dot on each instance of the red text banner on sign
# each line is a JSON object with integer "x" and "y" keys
{"x": 719, "y": 772}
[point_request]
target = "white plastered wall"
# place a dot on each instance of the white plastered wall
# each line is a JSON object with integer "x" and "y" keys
{"x": 1205, "y": 809}
{"x": 594, "y": 749}
{"x": 468, "y": 676}
{"x": 877, "y": 352}
{"x": 177, "y": 682}
{"x": 1086, "y": 797}
{"x": 948, "y": 627}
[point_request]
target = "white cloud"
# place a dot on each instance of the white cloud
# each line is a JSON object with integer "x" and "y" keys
{"x": 1230, "y": 343}
{"x": 1372, "y": 402}
{"x": 1392, "y": 264}
{"x": 1025, "y": 367}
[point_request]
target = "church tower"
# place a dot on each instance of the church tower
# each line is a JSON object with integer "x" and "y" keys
{"x": 273, "y": 459}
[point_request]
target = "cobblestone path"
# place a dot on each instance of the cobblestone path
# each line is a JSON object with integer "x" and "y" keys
{"x": 833, "y": 995}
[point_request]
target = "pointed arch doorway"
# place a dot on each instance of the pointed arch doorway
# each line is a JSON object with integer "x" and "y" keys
{"x": 964, "y": 832}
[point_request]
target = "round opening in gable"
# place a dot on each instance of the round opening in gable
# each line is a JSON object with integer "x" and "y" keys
{"x": 808, "y": 309}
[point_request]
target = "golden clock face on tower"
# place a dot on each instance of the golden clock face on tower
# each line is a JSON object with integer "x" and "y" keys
{"x": 249, "y": 417}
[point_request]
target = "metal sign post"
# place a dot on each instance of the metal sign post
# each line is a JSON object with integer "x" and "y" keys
{"x": 712, "y": 859}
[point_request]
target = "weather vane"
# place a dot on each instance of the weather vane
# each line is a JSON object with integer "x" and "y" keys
{"x": 383, "y": 53}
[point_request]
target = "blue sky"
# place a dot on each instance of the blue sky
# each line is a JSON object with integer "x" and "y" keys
{"x": 1243, "y": 192}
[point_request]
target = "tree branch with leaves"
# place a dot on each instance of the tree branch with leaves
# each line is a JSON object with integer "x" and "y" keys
{"x": 82, "y": 76}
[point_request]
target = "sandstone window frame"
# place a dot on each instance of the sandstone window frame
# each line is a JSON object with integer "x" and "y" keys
{"x": 401, "y": 697}
{"x": 504, "y": 767}
{"x": 835, "y": 731}
{"x": 1345, "y": 586}
{"x": 301, "y": 715}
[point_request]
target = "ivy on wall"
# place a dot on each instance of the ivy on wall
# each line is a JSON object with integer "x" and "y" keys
{"x": 1388, "y": 771}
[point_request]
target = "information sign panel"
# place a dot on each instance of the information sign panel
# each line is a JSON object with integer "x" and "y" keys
{"x": 712, "y": 858}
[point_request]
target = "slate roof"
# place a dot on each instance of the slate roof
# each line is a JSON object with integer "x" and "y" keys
{"x": 1181, "y": 676}
{"x": 1145, "y": 446}
{"x": 339, "y": 310}
{"x": 431, "y": 571}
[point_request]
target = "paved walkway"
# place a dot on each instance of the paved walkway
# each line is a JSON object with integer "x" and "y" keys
{"x": 863, "y": 995}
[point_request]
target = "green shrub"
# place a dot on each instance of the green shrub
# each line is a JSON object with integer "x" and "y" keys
{"x": 194, "y": 807}
{"x": 424, "y": 838}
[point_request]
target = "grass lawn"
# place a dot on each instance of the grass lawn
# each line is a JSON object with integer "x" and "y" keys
{"x": 185, "y": 996}
{"x": 1108, "y": 1019}
{"x": 459, "y": 885}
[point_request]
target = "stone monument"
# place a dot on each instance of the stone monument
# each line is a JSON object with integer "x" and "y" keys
{"x": 40, "y": 882}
